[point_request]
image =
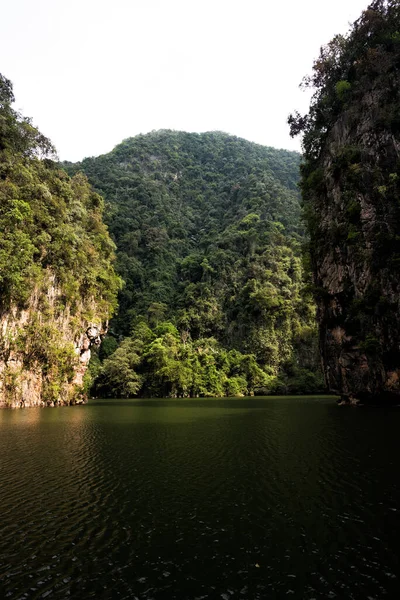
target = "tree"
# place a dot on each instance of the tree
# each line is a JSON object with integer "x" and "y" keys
{"x": 118, "y": 375}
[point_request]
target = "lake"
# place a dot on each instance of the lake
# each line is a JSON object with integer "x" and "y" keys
{"x": 247, "y": 498}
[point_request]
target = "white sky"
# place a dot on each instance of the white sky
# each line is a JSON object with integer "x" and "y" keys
{"x": 91, "y": 73}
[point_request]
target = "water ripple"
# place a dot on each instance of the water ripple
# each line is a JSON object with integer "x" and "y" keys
{"x": 247, "y": 498}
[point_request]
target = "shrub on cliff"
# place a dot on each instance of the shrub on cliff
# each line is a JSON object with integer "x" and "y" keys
{"x": 48, "y": 220}
{"x": 351, "y": 188}
{"x": 56, "y": 257}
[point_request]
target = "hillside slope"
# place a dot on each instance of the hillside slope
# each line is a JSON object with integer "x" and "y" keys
{"x": 208, "y": 235}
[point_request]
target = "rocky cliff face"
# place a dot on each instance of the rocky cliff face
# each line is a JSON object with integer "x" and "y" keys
{"x": 356, "y": 255}
{"x": 57, "y": 282}
{"x": 45, "y": 350}
{"x": 351, "y": 194}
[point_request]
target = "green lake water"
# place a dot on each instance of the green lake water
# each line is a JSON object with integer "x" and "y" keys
{"x": 248, "y": 498}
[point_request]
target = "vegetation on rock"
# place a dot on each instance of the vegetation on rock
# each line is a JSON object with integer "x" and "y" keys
{"x": 56, "y": 271}
{"x": 351, "y": 189}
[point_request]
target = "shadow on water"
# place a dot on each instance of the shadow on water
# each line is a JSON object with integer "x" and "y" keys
{"x": 233, "y": 402}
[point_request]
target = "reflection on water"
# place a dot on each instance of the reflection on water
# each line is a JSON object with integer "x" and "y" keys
{"x": 236, "y": 498}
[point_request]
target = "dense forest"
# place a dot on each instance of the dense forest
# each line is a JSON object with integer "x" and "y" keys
{"x": 221, "y": 271}
{"x": 209, "y": 244}
{"x": 351, "y": 188}
{"x": 56, "y": 264}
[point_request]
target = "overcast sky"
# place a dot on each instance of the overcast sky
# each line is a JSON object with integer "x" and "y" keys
{"x": 91, "y": 73}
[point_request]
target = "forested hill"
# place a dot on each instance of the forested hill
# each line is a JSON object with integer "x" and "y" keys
{"x": 57, "y": 283}
{"x": 208, "y": 235}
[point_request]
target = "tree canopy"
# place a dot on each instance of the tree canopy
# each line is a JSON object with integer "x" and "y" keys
{"x": 208, "y": 235}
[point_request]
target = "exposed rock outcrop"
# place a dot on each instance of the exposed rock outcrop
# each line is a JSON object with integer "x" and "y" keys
{"x": 45, "y": 351}
{"x": 357, "y": 266}
{"x": 351, "y": 194}
{"x": 57, "y": 281}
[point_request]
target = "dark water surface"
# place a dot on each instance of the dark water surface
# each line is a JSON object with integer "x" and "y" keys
{"x": 189, "y": 499}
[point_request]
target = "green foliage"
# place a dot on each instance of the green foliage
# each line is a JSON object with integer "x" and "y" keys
{"x": 350, "y": 71}
{"x": 92, "y": 373}
{"x": 351, "y": 188}
{"x": 174, "y": 203}
{"x": 166, "y": 365}
{"x": 108, "y": 347}
{"x": 162, "y": 362}
{"x": 208, "y": 235}
{"x": 119, "y": 374}
{"x": 17, "y": 135}
{"x": 56, "y": 256}
{"x": 49, "y": 222}
{"x": 342, "y": 89}
{"x": 297, "y": 381}
{"x": 346, "y": 66}
{"x": 42, "y": 348}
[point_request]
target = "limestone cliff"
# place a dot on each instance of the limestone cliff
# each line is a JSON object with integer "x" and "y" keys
{"x": 356, "y": 265}
{"x": 57, "y": 283}
{"x": 45, "y": 352}
{"x": 351, "y": 192}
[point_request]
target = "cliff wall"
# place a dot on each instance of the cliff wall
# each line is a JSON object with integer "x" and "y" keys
{"x": 57, "y": 282}
{"x": 356, "y": 259}
{"x": 45, "y": 350}
{"x": 351, "y": 195}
